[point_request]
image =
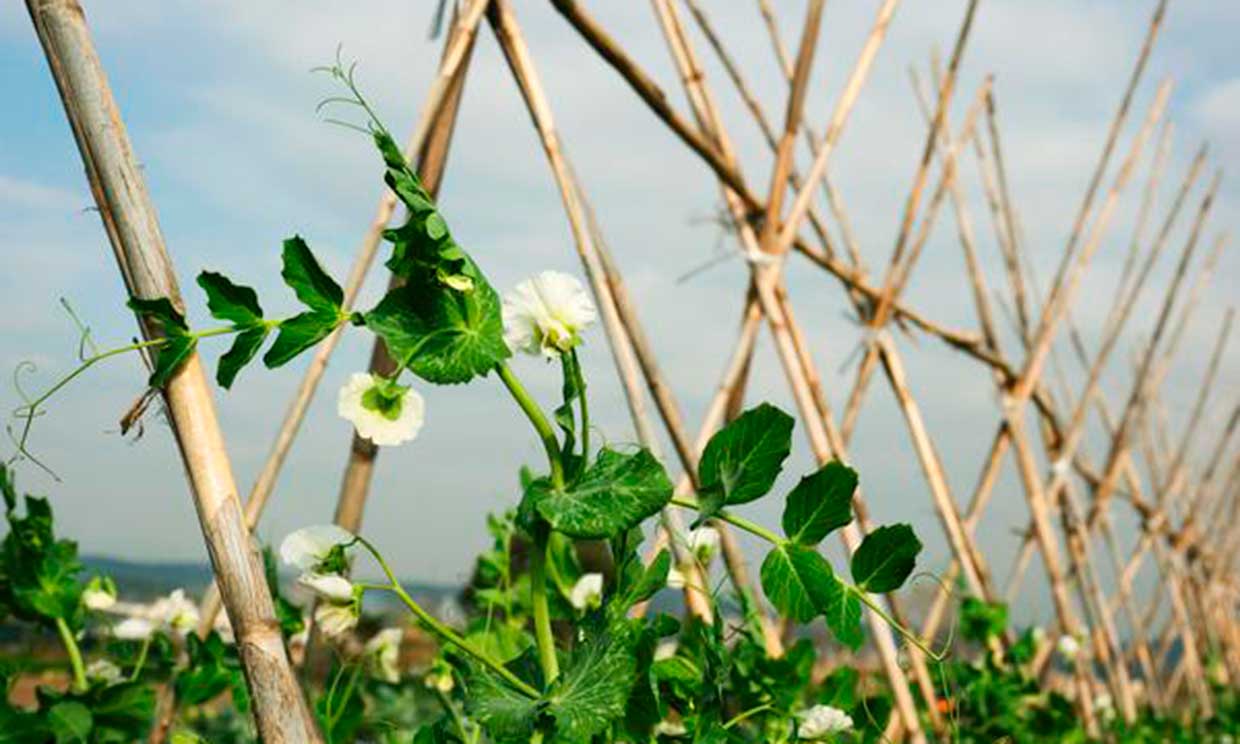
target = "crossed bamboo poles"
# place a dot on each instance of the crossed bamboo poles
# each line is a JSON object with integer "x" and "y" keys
{"x": 1193, "y": 559}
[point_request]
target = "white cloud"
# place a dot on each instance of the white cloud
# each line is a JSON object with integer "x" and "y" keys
{"x": 17, "y": 193}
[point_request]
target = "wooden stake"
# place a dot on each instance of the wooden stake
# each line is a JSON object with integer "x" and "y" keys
{"x": 130, "y": 219}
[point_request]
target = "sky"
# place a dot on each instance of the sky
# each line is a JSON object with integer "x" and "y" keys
{"x": 220, "y": 104}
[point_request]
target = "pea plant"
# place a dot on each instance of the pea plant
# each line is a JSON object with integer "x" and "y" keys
{"x": 551, "y": 652}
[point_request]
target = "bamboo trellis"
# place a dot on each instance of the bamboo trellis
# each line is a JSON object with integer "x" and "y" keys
{"x": 1187, "y": 515}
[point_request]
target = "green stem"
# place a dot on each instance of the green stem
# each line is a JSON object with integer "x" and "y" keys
{"x": 542, "y": 611}
{"x": 904, "y": 632}
{"x": 141, "y": 662}
{"x": 580, "y": 380}
{"x": 457, "y": 720}
{"x": 443, "y": 631}
{"x": 75, "y": 654}
{"x": 31, "y": 409}
{"x": 739, "y": 717}
{"x": 336, "y": 713}
{"x": 538, "y": 562}
{"x": 537, "y": 418}
{"x": 739, "y": 522}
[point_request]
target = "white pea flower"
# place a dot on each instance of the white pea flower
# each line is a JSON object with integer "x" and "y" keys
{"x": 103, "y": 670}
{"x": 383, "y": 652}
{"x": 308, "y": 547}
{"x": 381, "y": 410}
{"x": 587, "y": 592}
{"x": 670, "y": 728}
{"x": 821, "y": 721}
{"x": 1104, "y": 705}
{"x": 176, "y": 611}
{"x": 1068, "y": 647}
{"x": 439, "y": 679}
{"x": 1038, "y": 634}
{"x": 335, "y": 619}
{"x": 332, "y": 587}
{"x": 133, "y": 629}
{"x": 99, "y": 594}
{"x": 546, "y": 314}
{"x": 703, "y": 541}
{"x": 665, "y": 650}
{"x": 675, "y": 578}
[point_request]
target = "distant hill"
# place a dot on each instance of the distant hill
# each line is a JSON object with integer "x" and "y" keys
{"x": 140, "y": 581}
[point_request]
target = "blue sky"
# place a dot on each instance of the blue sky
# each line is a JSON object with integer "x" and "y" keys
{"x": 220, "y": 103}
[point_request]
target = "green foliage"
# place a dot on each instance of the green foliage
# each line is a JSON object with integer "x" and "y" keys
{"x": 885, "y": 558}
{"x": 444, "y": 324}
{"x": 179, "y": 344}
{"x": 981, "y": 620}
{"x": 742, "y": 460}
{"x": 238, "y": 305}
{"x": 820, "y": 503}
{"x": 39, "y": 574}
{"x": 441, "y": 335}
{"x": 616, "y": 493}
{"x": 213, "y": 669}
{"x": 318, "y": 292}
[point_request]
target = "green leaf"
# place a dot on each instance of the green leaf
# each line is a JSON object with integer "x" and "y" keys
{"x": 885, "y": 558}
{"x": 593, "y": 690}
{"x": 820, "y": 502}
{"x": 423, "y": 251}
{"x": 162, "y": 310}
{"x": 616, "y": 493}
{"x": 652, "y": 579}
{"x": 244, "y": 347}
{"x": 39, "y": 575}
{"x": 500, "y": 641}
{"x": 797, "y": 580}
{"x": 306, "y": 277}
{"x": 228, "y": 301}
{"x": 179, "y": 345}
{"x": 122, "y": 712}
{"x": 507, "y": 715}
{"x": 843, "y": 614}
{"x": 742, "y": 459}
{"x": 212, "y": 670}
{"x": 170, "y": 357}
{"x": 441, "y": 335}
{"x": 70, "y": 721}
{"x": 299, "y": 333}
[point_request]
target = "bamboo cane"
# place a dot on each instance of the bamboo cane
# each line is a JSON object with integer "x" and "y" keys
{"x": 130, "y": 220}
{"x": 895, "y": 269}
{"x": 765, "y": 286}
{"x": 1117, "y": 317}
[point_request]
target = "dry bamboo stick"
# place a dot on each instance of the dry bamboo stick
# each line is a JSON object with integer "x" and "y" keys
{"x": 759, "y": 115}
{"x": 1121, "y": 310}
{"x": 644, "y": 86}
{"x": 132, "y": 225}
{"x": 1060, "y": 297}
{"x": 1157, "y": 521}
{"x": 765, "y": 283}
{"x": 1157, "y": 169}
{"x": 1108, "y": 148}
{"x": 792, "y": 123}
{"x": 1118, "y": 449}
{"x": 1007, "y": 209}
